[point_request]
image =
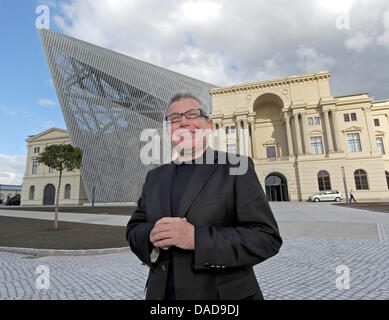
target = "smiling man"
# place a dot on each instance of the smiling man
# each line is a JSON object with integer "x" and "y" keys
{"x": 198, "y": 227}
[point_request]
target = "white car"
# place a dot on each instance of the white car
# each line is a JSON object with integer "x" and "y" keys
{"x": 327, "y": 195}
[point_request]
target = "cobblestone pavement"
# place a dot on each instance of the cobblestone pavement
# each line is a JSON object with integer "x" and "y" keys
{"x": 305, "y": 267}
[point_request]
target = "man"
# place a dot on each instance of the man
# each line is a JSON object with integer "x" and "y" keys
{"x": 352, "y": 196}
{"x": 199, "y": 228}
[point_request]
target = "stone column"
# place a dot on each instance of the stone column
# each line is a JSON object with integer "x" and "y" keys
{"x": 221, "y": 136}
{"x": 252, "y": 146}
{"x": 338, "y": 133}
{"x": 245, "y": 139}
{"x": 307, "y": 148}
{"x": 238, "y": 137}
{"x": 370, "y": 130}
{"x": 288, "y": 135}
{"x": 253, "y": 140}
{"x": 298, "y": 135}
{"x": 328, "y": 131}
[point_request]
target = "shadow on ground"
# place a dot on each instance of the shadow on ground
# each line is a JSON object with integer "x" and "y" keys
{"x": 374, "y": 206}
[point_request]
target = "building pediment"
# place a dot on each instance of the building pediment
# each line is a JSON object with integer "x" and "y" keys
{"x": 52, "y": 133}
{"x": 270, "y": 143}
{"x": 379, "y": 132}
{"x": 315, "y": 132}
{"x": 352, "y": 128}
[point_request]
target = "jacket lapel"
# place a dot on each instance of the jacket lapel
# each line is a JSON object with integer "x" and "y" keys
{"x": 164, "y": 192}
{"x": 200, "y": 176}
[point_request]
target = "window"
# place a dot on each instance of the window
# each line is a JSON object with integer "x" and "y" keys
{"x": 35, "y": 167}
{"x": 380, "y": 145}
{"x": 387, "y": 178}
{"x": 51, "y": 170}
{"x": 231, "y": 148}
{"x": 377, "y": 122}
{"x": 36, "y": 149}
{"x": 68, "y": 188}
{"x": 354, "y": 145}
{"x": 230, "y": 130}
{"x": 323, "y": 179}
{"x": 360, "y": 177}
{"x": 314, "y": 121}
{"x": 347, "y": 117}
{"x": 316, "y": 145}
{"x": 32, "y": 193}
{"x": 271, "y": 152}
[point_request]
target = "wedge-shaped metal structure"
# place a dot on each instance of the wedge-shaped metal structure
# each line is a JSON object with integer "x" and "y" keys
{"x": 107, "y": 99}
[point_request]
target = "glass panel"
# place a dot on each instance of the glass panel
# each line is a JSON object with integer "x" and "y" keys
{"x": 380, "y": 145}
{"x": 271, "y": 152}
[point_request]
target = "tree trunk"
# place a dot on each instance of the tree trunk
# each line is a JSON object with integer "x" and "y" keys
{"x": 57, "y": 202}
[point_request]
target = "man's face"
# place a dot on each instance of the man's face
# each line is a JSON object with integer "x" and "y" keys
{"x": 188, "y": 134}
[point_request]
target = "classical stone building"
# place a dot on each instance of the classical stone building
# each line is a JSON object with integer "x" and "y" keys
{"x": 40, "y": 182}
{"x": 300, "y": 136}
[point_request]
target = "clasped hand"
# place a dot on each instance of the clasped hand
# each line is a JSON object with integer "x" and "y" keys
{"x": 171, "y": 231}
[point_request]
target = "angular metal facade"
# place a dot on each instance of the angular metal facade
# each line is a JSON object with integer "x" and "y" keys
{"x": 107, "y": 99}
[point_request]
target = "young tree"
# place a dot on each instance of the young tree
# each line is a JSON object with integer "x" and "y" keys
{"x": 60, "y": 157}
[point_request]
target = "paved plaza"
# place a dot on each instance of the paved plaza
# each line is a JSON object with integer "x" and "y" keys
{"x": 318, "y": 239}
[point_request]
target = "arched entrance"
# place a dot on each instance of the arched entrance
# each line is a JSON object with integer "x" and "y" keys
{"x": 49, "y": 195}
{"x": 276, "y": 187}
{"x": 269, "y": 126}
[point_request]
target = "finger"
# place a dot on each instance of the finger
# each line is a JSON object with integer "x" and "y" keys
{"x": 162, "y": 228}
{"x": 167, "y": 220}
{"x": 163, "y": 243}
{"x": 161, "y": 235}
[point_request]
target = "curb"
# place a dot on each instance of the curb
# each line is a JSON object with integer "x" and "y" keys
{"x": 58, "y": 252}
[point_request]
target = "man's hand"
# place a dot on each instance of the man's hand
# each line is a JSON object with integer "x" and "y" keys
{"x": 173, "y": 232}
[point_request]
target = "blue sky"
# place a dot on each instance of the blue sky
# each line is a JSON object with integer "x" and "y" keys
{"x": 222, "y": 42}
{"x": 28, "y": 102}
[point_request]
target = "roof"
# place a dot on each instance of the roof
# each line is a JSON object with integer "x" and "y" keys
{"x": 10, "y": 187}
{"x": 48, "y": 131}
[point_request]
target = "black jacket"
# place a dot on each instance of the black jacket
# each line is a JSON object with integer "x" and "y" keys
{"x": 234, "y": 230}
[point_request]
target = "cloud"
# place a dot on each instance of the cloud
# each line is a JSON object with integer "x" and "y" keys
{"x": 310, "y": 61}
{"x": 12, "y": 169}
{"x": 9, "y": 111}
{"x": 45, "y": 102}
{"x": 48, "y": 124}
{"x": 358, "y": 42}
{"x": 383, "y": 39}
{"x": 230, "y": 42}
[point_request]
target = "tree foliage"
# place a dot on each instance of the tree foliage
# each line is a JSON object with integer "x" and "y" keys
{"x": 61, "y": 157}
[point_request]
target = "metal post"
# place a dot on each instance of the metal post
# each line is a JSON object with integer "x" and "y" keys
{"x": 345, "y": 185}
{"x": 93, "y": 197}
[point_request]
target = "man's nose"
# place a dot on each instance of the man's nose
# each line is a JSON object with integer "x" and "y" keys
{"x": 183, "y": 121}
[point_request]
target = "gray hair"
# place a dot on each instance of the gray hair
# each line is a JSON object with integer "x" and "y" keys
{"x": 187, "y": 95}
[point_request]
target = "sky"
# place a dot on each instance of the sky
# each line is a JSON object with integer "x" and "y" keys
{"x": 223, "y": 42}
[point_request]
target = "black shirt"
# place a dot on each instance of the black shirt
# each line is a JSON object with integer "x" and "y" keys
{"x": 182, "y": 175}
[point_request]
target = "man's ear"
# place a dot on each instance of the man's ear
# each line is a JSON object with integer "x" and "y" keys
{"x": 210, "y": 123}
